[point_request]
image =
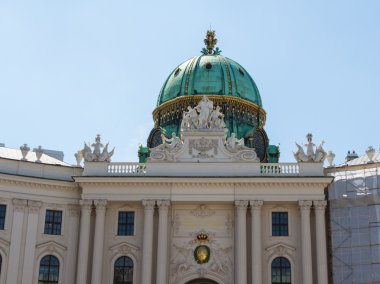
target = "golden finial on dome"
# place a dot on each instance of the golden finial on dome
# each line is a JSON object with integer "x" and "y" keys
{"x": 210, "y": 42}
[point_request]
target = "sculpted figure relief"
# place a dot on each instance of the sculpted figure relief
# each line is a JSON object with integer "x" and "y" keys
{"x": 318, "y": 155}
{"x": 203, "y": 116}
{"x": 233, "y": 144}
{"x": 170, "y": 144}
{"x": 99, "y": 154}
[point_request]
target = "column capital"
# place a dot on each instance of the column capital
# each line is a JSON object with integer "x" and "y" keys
{"x": 241, "y": 205}
{"x": 320, "y": 205}
{"x": 19, "y": 204}
{"x": 86, "y": 204}
{"x": 34, "y": 206}
{"x": 148, "y": 204}
{"x": 100, "y": 204}
{"x": 256, "y": 205}
{"x": 73, "y": 210}
{"x": 163, "y": 204}
{"x": 305, "y": 205}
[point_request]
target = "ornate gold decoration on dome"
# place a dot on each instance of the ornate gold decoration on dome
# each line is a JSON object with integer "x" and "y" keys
{"x": 176, "y": 107}
{"x": 210, "y": 41}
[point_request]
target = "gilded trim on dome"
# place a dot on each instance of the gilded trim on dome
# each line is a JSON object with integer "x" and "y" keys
{"x": 174, "y": 108}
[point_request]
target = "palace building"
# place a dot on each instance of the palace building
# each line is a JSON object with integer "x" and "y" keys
{"x": 208, "y": 202}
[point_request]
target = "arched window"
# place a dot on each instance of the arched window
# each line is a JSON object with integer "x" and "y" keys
{"x": 123, "y": 270}
{"x": 281, "y": 273}
{"x": 49, "y": 270}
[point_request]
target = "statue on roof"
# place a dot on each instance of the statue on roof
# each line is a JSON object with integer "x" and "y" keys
{"x": 233, "y": 144}
{"x": 313, "y": 153}
{"x": 203, "y": 116}
{"x": 100, "y": 152}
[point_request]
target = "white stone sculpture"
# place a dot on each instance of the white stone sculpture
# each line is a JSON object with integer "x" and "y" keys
{"x": 39, "y": 153}
{"x": 203, "y": 138}
{"x": 233, "y": 144}
{"x": 330, "y": 158}
{"x": 24, "y": 151}
{"x": 370, "y": 154}
{"x": 318, "y": 155}
{"x": 203, "y": 116}
{"x": 99, "y": 154}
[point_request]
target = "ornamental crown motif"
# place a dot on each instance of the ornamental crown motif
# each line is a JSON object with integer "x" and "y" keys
{"x": 313, "y": 153}
{"x": 99, "y": 153}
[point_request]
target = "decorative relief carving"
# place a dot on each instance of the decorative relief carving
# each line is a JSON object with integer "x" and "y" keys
{"x": 34, "y": 206}
{"x": 280, "y": 250}
{"x": 19, "y": 204}
{"x": 202, "y": 211}
{"x": 305, "y": 204}
{"x": 229, "y": 224}
{"x": 100, "y": 204}
{"x": 183, "y": 262}
{"x": 241, "y": 205}
{"x": 176, "y": 223}
{"x": 73, "y": 210}
{"x": 256, "y": 204}
{"x": 124, "y": 249}
{"x": 203, "y": 145}
{"x": 148, "y": 204}
{"x": 318, "y": 155}
{"x": 163, "y": 205}
{"x": 320, "y": 205}
{"x": 86, "y": 204}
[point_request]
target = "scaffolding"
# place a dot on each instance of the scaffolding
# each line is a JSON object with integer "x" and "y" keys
{"x": 351, "y": 195}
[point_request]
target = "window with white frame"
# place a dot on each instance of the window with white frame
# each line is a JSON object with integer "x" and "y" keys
{"x": 53, "y": 222}
{"x": 126, "y": 223}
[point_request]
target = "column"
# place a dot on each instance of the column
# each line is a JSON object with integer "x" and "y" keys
{"x": 98, "y": 241}
{"x": 319, "y": 207}
{"x": 307, "y": 277}
{"x": 19, "y": 206}
{"x": 72, "y": 243}
{"x": 31, "y": 238}
{"x": 84, "y": 240}
{"x": 146, "y": 271}
{"x": 162, "y": 247}
{"x": 256, "y": 241}
{"x": 241, "y": 242}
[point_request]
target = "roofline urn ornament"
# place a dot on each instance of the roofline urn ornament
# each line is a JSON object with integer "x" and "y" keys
{"x": 313, "y": 153}
{"x": 24, "y": 151}
{"x": 39, "y": 153}
{"x": 370, "y": 154}
{"x": 330, "y": 158}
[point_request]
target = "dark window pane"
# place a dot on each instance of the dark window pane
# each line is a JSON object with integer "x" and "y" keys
{"x": 281, "y": 273}
{"x": 53, "y": 222}
{"x": 280, "y": 225}
{"x": 123, "y": 271}
{"x": 126, "y": 223}
{"x": 49, "y": 270}
{"x": 3, "y": 209}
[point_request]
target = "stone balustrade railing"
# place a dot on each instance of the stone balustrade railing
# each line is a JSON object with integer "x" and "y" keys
{"x": 279, "y": 169}
{"x": 126, "y": 169}
{"x": 266, "y": 169}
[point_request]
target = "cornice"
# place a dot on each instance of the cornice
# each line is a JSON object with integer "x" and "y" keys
{"x": 32, "y": 182}
{"x": 237, "y": 182}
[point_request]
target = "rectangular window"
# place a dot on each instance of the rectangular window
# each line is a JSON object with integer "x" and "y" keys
{"x": 53, "y": 222}
{"x": 3, "y": 209}
{"x": 280, "y": 224}
{"x": 126, "y": 223}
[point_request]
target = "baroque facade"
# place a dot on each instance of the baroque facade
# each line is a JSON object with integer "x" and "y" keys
{"x": 207, "y": 203}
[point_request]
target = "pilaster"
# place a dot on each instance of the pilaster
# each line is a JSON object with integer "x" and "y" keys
{"x": 241, "y": 242}
{"x": 84, "y": 240}
{"x": 319, "y": 207}
{"x": 306, "y": 242}
{"x": 256, "y": 241}
{"x": 162, "y": 248}
{"x": 146, "y": 272}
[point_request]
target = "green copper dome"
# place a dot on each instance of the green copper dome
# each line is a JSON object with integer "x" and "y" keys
{"x": 210, "y": 74}
{"x": 226, "y": 83}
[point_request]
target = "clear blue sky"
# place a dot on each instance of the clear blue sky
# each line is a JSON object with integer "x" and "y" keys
{"x": 72, "y": 69}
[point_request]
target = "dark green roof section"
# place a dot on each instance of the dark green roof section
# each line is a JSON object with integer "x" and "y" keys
{"x": 211, "y": 75}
